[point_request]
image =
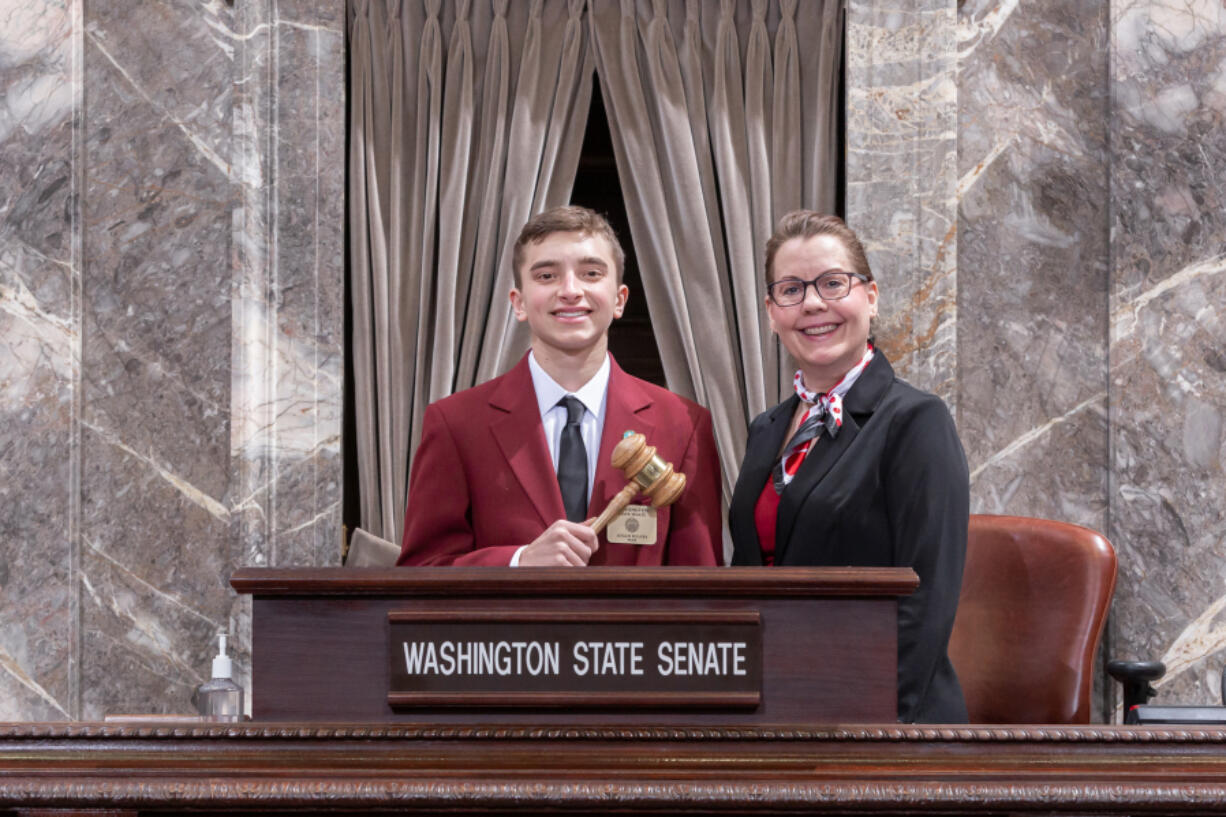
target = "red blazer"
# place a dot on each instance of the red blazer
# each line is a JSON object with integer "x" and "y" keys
{"x": 483, "y": 484}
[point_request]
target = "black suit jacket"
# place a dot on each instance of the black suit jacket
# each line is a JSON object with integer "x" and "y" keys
{"x": 892, "y": 489}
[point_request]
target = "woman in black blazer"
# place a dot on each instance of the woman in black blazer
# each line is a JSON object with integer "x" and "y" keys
{"x": 872, "y": 473}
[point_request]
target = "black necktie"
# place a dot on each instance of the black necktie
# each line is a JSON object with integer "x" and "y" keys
{"x": 572, "y": 462}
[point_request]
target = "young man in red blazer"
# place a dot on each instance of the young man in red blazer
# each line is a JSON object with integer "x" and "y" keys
{"x": 485, "y": 489}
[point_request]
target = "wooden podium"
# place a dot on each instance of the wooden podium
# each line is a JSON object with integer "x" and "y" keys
{"x": 817, "y": 645}
{"x": 680, "y": 646}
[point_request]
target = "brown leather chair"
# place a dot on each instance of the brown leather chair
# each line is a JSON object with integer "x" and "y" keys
{"x": 1035, "y": 595}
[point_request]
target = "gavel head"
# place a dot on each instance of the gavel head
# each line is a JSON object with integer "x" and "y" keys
{"x": 640, "y": 463}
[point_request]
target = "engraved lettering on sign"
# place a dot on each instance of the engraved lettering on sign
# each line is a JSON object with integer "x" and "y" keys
{"x": 506, "y": 657}
{"x": 608, "y": 657}
{"x": 481, "y": 658}
{"x": 702, "y": 658}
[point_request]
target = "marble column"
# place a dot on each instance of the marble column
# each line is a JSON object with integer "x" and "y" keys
{"x": 901, "y": 176}
{"x": 40, "y": 349}
{"x": 1033, "y": 256}
{"x": 170, "y": 306}
{"x": 1087, "y": 370}
{"x": 287, "y": 293}
{"x": 1033, "y": 260}
{"x": 156, "y": 210}
{"x": 1168, "y": 338}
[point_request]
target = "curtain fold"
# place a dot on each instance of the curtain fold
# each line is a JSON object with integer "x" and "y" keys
{"x": 548, "y": 121}
{"x": 467, "y": 116}
{"x": 455, "y": 231}
{"x": 491, "y": 168}
{"x": 726, "y": 118}
{"x": 713, "y": 144}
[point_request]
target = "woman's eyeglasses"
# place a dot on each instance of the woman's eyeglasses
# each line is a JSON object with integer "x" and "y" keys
{"x": 829, "y": 286}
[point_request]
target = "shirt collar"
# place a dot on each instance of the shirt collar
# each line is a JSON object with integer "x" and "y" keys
{"x": 548, "y": 392}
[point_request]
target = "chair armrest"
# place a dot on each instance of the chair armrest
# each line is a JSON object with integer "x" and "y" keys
{"x": 1136, "y": 677}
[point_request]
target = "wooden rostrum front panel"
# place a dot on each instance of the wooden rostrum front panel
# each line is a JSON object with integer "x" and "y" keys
{"x": 817, "y": 645}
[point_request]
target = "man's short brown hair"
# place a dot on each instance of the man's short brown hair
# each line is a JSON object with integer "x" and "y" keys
{"x": 809, "y": 223}
{"x": 569, "y": 218}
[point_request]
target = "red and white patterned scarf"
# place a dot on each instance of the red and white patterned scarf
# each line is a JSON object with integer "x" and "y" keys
{"x": 824, "y": 412}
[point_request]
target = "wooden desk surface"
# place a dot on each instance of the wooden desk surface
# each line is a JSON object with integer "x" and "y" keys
{"x": 63, "y": 768}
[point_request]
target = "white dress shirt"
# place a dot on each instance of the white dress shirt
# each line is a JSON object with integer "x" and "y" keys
{"x": 553, "y": 417}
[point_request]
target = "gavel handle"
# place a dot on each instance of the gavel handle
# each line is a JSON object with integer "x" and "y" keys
{"x": 615, "y": 506}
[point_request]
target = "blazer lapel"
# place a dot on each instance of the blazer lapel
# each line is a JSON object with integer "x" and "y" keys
{"x": 858, "y": 406}
{"x": 627, "y": 408}
{"x": 761, "y": 454}
{"x": 520, "y": 438}
{"x": 822, "y": 456}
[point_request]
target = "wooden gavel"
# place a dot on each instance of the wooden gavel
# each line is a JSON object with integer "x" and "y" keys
{"x": 646, "y": 472}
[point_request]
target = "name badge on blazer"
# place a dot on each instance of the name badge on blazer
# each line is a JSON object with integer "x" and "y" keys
{"x": 636, "y": 525}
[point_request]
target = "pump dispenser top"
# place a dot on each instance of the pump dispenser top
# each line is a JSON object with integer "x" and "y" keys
{"x": 222, "y": 666}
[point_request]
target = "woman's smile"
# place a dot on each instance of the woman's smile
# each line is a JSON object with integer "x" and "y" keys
{"x": 821, "y": 331}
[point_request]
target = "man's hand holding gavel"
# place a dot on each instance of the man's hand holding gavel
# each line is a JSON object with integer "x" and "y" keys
{"x": 571, "y": 544}
{"x": 563, "y": 544}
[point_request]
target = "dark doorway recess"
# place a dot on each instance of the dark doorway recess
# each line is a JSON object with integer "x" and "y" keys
{"x": 631, "y": 339}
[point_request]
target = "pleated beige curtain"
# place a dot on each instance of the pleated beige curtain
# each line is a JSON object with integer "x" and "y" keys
{"x": 721, "y": 123}
{"x": 466, "y": 117}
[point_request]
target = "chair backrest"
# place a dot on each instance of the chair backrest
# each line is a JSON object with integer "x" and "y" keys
{"x": 1035, "y": 595}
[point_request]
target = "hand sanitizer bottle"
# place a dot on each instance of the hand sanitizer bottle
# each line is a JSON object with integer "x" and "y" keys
{"x": 220, "y": 699}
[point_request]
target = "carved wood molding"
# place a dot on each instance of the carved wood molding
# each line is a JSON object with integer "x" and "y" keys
{"x": 74, "y": 812}
{"x": 317, "y": 768}
{"x": 891, "y": 733}
{"x": 675, "y": 796}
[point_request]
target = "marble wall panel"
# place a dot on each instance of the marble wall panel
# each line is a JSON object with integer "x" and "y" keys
{"x": 308, "y": 294}
{"x": 170, "y": 260}
{"x": 901, "y": 164}
{"x": 1033, "y": 260}
{"x": 254, "y": 409}
{"x": 288, "y": 289}
{"x": 1168, "y": 338}
{"x": 39, "y": 348}
{"x": 153, "y": 585}
{"x": 1033, "y": 256}
{"x": 154, "y": 542}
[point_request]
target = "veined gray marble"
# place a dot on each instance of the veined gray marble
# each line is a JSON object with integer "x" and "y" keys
{"x": 901, "y": 175}
{"x": 288, "y": 293}
{"x": 1090, "y": 342}
{"x": 156, "y": 397}
{"x": 39, "y": 355}
{"x": 170, "y": 311}
{"x": 1168, "y": 338}
{"x": 1033, "y": 257}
